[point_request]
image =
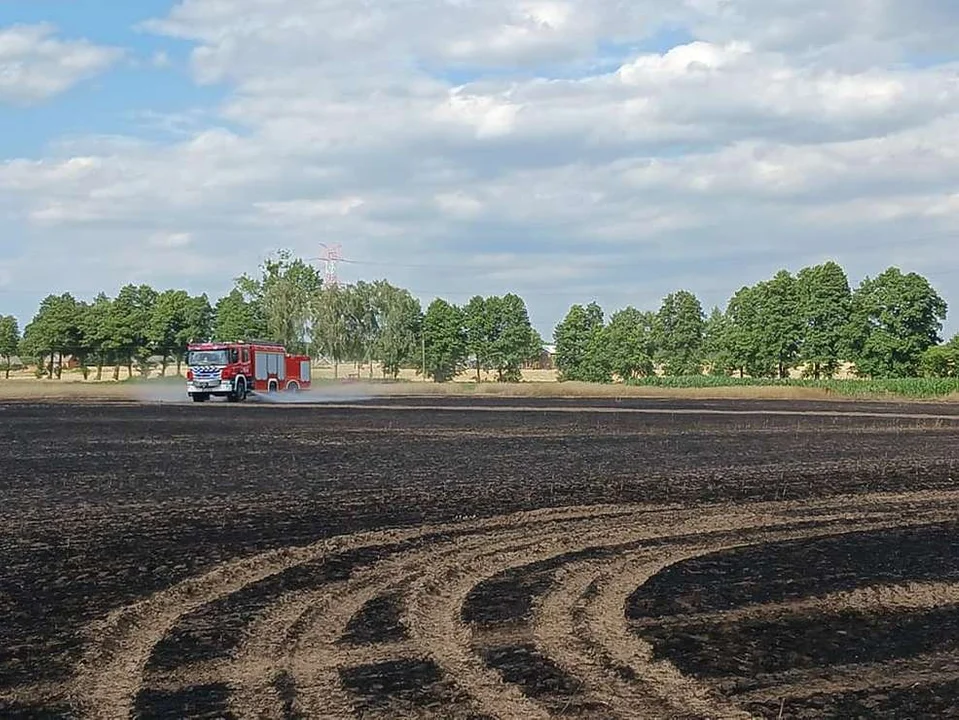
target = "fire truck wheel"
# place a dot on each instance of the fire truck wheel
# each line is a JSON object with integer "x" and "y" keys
{"x": 238, "y": 395}
{"x": 293, "y": 387}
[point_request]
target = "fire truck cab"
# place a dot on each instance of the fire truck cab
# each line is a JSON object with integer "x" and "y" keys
{"x": 235, "y": 369}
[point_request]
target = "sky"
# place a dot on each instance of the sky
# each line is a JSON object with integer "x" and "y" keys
{"x": 565, "y": 150}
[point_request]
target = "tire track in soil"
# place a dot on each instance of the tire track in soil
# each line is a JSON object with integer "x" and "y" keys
{"x": 330, "y": 615}
{"x": 558, "y": 630}
{"x": 435, "y": 613}
{"x": 435, "y": 616}
{"x": 592, "y": 595}
{"x": 110, "y": 672}
{"x": 112, "y": 668}
{"x": 310, "y": 651}
{"x": 580, "y": 602}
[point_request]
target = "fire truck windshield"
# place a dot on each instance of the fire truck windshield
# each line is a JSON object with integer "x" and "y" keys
{"x": 198, "y": 358}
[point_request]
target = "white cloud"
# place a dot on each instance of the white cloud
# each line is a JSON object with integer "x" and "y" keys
{"x": 463, "y": 146}
{"x": 828, "y": 31}
{"x": 458, "y": 204}
{"x": 232, "y": 34}
{"x": 35, "y": 65}
{"x": 168, "y": 240}
{"x": 489, "y": 116}
{"x": 299, "y": 210}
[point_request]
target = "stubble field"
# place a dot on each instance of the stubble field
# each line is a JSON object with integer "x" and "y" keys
{"x": 481, "y": 558}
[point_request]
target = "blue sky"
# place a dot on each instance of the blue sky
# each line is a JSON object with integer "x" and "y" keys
{"x": 568, "y": 150}
{"x": 122, "y": 100}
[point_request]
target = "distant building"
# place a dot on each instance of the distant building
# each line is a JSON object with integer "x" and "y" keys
{"x": 546, "y": 359}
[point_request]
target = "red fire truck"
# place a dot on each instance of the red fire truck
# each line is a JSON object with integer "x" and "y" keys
{"x": 235, "y": 369}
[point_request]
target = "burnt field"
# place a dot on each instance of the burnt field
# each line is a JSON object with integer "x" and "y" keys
{"x": 479, "y": 559}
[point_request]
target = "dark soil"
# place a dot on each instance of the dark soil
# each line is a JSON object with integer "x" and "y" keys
{"x": 775, "y": 572}
{"x": 738, "y": 651}
{"x": 377, "y": 622}
{"x": 208, "y": 702}
{"x": 23, "y": 711}
{"x": 285, "y": 687}
{"x": 748, "y": 648}
{"x": 508, "y": 597}
{"x": 934, "y": 700}
{"x": 398, "y": 685}
{"x": 540, "y": 678}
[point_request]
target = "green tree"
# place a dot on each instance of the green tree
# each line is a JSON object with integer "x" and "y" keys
{"x": 825, "y": 301}
{"x": 763, "y": 328}
{"x": 680, "y": 329}
{"x": 748, "y": 339}
{"x": 364, "y": 314}
{"x": 580, "y": 353}
{"x": 36, "y": 341}
{"x": 480, "y": 326}
{"x": 82, "y": 349}
{"x": 500, "y": 336}
{"x": 128, "y": 325}
{"x": 940, "y": 361}
{"x": 283, "y": 297}
{"x": 444, "y": 340}
{"x": 236, "y": 318}
{"x": 196, "y": 326}
{"x": 9, "y": 341}
{"x": 742, "y": 338}
{"x": 55, "y": 332}
{"x": 176, "y": 320}
{"x": 718, "y": 351}
{"x": 780, "y": 322}
{"x": 167, "y": 320}
{"x": 332, "y": 324}
{"x": 628, "y": 343}
{"x": 30, "y": 352}
{"x": 895, "y": 318}
{"x": 95, "y": 328}
{"x": 513, "y": 342}
{"x": 598, "y": 368}
{"x": 400, "y": 316}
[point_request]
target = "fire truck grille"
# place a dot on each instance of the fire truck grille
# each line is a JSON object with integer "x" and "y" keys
{"x": 206, "y": 376}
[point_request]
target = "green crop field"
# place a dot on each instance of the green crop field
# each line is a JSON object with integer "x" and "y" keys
{"x": 902, "y": 387}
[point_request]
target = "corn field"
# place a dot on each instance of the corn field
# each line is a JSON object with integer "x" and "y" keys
{"x": 900, "y": 387}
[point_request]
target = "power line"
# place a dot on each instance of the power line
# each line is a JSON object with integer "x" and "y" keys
{"x": 373, "y": 263}
{"x": 418, "y": 266}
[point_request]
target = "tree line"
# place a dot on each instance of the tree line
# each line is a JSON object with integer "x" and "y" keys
{"x": 365, "y": 323}
{"x": 888, "y": 327}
